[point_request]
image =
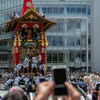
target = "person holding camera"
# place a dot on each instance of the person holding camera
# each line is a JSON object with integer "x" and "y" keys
{"x": 46, "y": 89}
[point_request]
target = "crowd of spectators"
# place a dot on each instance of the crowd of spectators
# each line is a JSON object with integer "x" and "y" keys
{"x": 87, "y": 85}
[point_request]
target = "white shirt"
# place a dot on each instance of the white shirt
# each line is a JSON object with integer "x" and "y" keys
{"x": 22, "y": 76}
{"x": 26, "y": 61}
{"x": 39, "y": 57}
{"x": 19, "y": 66}
{"x": 16, "y": 16}
{"x": 34, "y": 59}
{"x": 26, "y": 80}
{"x": 41, "y": 14}
{"x": 17, "y": 79}
{"x": 36, "y": 79}
{"x": 93, "y": 86}
{"x": 42, "y": 66}
{"x": 9, "y": 81}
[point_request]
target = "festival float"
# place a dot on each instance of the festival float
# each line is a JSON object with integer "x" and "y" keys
{"x": 30, "y": 38}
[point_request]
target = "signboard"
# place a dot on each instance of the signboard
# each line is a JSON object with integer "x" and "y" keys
{"x": 78, "y": 62}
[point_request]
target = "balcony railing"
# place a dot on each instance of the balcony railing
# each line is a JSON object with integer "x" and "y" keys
{"x": 6, "y": 36}
{"x": 5, "y": 48}
{"x": 4, "y": 64}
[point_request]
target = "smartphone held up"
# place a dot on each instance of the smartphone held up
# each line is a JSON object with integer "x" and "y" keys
{"x": 59, "y": 77}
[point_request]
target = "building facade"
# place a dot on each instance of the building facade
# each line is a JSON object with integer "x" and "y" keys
{"x": 95, "y": 47}
{"x": 69, "y": 40}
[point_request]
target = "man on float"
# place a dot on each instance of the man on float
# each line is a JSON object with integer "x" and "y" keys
{"x": 26, "y": 64}
{"x": 26, "y": 80}
{"x": 43, "y": 69}
{"x": 17, "y": 80}
{"x": 19, "y": 68}
{"x": 15, "y": 71}
{"x": 34, "y": 64}
{"x": 8, "y": 83}
{"x": 38, "y": 59}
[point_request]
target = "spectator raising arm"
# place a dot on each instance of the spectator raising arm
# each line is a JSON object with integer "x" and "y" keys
{"x": 45, "y": 89}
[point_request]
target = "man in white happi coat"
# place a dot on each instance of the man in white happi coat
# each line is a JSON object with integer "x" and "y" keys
{"x": 26, "y": 80}
{"x": 18, "y": 68}
{"x": 17, "y": 80}
{"x": 26, "y": 63}
{"x": 39, "y": 59}
{"x": 8, "y": 83}
{"x": 43, "y": 69}
{"x": 34, "y": 63}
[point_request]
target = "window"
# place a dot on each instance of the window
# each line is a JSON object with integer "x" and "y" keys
{"x": 61, "y": 10}
{"x": 49, "y": 10}
{"x": 89, "y": 27}
{"x": 60, "y": 57}
{"x": 77, "y": 41}
{"x": 83, "y": 41}
{"x": 2, "y": 5}
{"x": 78, "y": 10}
{"x": 6, "y": 57}
{"x": 11, "y": 5}
{"x": 60, "y": 41}
{"x": 89, "y": 10}
{"x": 72, "y": 10}
{"x": 37, "y": 8}
{"x": 55, "y": 57}
{"x": 18, "y": 2}
{"x": 77, "y": 54}
{"x": 78, "y": 25}
{"x": 83, "y": 9}
{"x": 55, "y": 10}
{"x": 71, "y": 25}
{"x": 89, "y": 56}
{"x": 83, "y": 26}
{"x": 68, "y": 26}
{"x": 49, "y": 57}
{"x": 89, "y": 40}
{"x": 68, "y": 10}
{"x": 54, "y": 40}
{"x": 6, "y": 16}
{"x": 0, "y": 58}
{"x": 72, "y": 40}
{"x": 6, "y": 4}
{"x": 71, "y": 56}
{"x": 44, "y": 9}
{"x": 49, "y": 38}
{"x": 83, "y": 55}
{"x": 68, "y": 40}
{"x": 60, "y": 27}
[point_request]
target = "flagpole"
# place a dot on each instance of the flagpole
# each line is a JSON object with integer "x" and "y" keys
{"x": 87, "y": 48}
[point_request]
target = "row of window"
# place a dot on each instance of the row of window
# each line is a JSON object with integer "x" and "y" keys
{"x": 58, "y": 56}
{"x": 4, "y": 16}
{"x": 3, "y": 43}
{"x": 78, "y": 26}
{"x": 6, "y": 4}
{"x": 66, "y": 56}
{"x": 78, "y": 9}
{"x": 68, "y": 41}
{"x": 70, "y": 9}
{"x": 4, "y": 57}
